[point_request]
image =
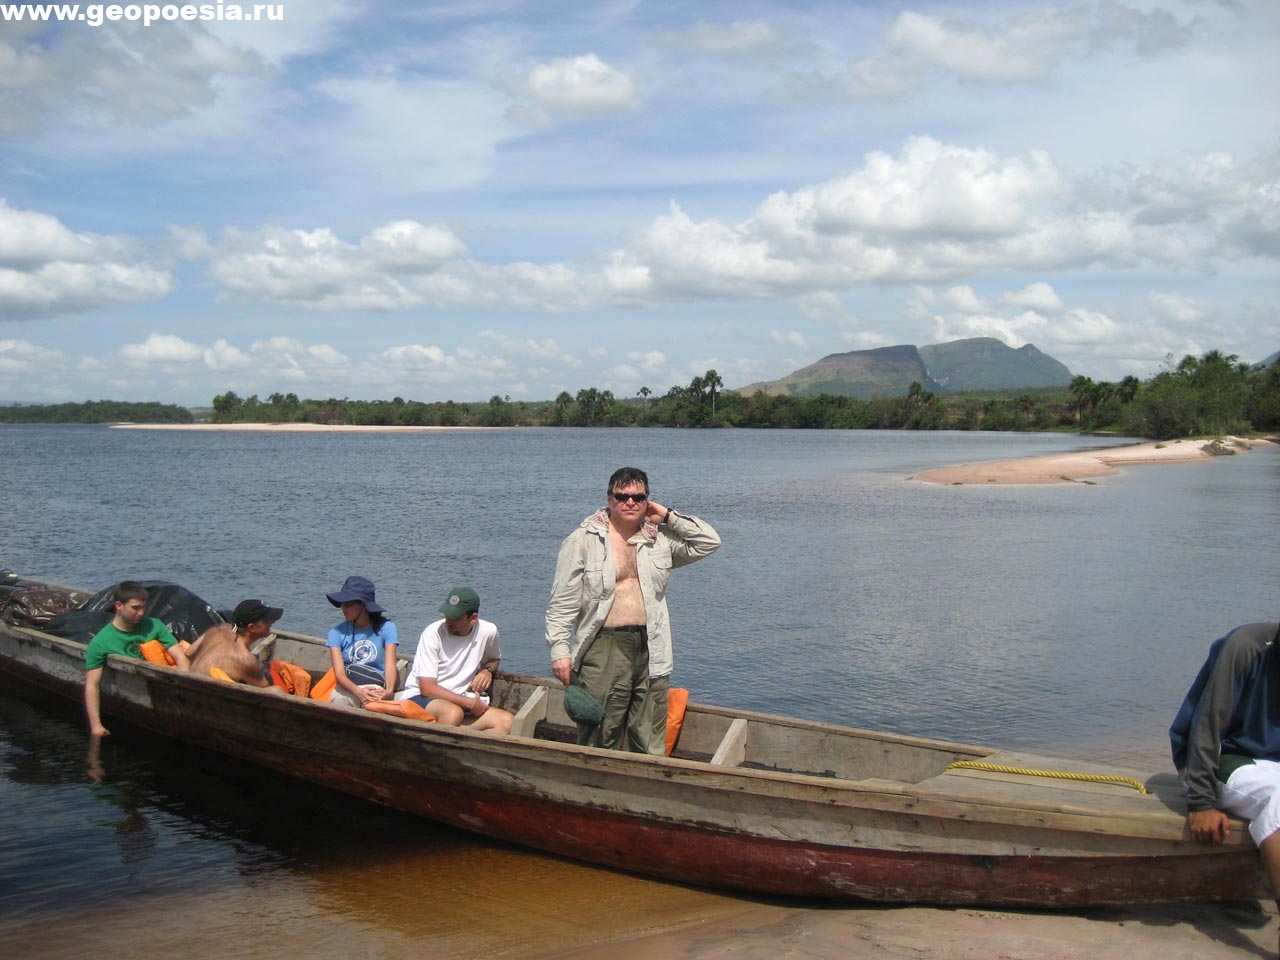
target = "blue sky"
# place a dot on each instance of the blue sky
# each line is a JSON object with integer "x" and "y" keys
{"x": 462, "y": 199}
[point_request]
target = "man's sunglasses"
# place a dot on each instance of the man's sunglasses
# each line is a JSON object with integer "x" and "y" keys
{"x": 637, "y": 497}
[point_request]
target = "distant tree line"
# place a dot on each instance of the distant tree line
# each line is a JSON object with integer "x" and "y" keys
{"x": 96, "y": 411}
{"x": 1212, "y": 394}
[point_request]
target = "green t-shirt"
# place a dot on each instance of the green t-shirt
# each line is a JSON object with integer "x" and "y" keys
{"x": 110, "y": 640}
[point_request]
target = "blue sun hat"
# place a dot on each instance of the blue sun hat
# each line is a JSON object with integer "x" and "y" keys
{"x": 356, "y": 588}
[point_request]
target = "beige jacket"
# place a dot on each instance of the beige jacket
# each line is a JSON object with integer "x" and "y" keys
{"x": 584, "y": 586}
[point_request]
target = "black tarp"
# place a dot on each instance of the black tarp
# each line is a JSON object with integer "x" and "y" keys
{"x": 184, "y": 613}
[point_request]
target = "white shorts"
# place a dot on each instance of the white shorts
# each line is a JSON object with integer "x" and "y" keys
{"x": 1253, "y": 792}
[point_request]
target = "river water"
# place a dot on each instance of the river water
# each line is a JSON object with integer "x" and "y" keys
{"x": 1066, "y": 618}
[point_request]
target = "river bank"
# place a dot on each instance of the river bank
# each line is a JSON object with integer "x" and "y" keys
{"x": 1087, "y": 465}
{"x": 292, "y": 427}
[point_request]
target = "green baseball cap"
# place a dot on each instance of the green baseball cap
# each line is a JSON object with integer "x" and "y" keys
{"x": 461, "y": 601}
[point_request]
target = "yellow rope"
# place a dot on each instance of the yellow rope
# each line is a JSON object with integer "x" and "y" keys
{"x": 1058, "y": 774}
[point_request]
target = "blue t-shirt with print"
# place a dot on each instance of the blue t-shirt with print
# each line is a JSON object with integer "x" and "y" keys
{"x": 363, "y": 645}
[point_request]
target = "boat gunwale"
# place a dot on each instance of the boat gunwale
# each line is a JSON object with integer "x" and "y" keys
{"x": 1161, "y": 823}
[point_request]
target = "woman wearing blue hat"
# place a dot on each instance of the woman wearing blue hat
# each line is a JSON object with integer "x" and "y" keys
{"x": 363, "y": 646}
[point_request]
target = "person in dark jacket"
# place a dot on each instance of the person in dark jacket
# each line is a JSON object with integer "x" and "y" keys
{"x": 1226, "y": 742}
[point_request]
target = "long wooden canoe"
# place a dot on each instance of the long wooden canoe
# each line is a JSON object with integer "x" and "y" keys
{"x": 747, "y": 801}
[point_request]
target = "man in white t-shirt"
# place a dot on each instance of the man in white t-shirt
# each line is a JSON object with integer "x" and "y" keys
{"x": 454, "y": 667}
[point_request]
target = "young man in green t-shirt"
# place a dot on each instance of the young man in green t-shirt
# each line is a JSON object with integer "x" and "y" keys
{"x": 124, "y": 635}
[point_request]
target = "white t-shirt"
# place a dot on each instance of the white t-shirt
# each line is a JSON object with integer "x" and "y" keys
{"x": 452, "y": 661}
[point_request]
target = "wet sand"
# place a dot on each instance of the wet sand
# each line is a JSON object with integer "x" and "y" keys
{"x": 1087, "y": 465}
{"x": 1192, "y": 932}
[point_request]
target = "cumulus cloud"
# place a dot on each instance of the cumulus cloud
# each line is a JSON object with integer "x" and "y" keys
{"x": 318, "y": 269}
{"x": 940, "y": 212}
{"x": 583, "y": 84}
{"x": 546, "y": 350}
{"x": 23, "y": 356}
{"x": 48, "y": 269}
{"x": 789, "y": 338}
{"x": 412, "y": 369}
{"x": 963, "y": 298}
{"x": 1176, "y": 308}
{"x": 161, "y": 348}
{"x": 396, "y": 266}
{"x": 553, "y": 287}
{"x": 140, "y": 76}
{"x": 649, "y": 360}
{"x": 1023, "y": 49}
{"x": 1038, "y": 296}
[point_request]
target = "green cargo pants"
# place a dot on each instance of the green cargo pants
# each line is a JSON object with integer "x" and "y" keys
{"x": 615, "y": 670}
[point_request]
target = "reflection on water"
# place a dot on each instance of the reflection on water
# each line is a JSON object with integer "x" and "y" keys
{"x": 177, "y": 852}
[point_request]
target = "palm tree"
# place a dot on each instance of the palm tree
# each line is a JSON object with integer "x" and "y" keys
{"x": 1082, "y": 389}
{"x": 645, "y": 393}
{"x": 1128, "y": 388}
{"x": 713, "y": 383}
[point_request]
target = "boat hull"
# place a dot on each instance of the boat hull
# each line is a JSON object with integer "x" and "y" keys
{"x": 665, "y": 818}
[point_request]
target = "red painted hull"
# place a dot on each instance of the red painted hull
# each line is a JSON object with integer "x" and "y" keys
{"x": 467, "y": 781}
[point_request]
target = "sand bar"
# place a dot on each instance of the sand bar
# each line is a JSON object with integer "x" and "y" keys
{"x": 1085, "y": 465}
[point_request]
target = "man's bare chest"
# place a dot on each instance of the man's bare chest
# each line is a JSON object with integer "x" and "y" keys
{"x": 624, "y": 558}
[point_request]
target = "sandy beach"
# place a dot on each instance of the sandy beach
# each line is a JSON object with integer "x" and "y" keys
{"x": 1087, "y": 465}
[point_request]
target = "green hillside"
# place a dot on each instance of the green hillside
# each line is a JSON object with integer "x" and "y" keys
{"x": 980, "y": 363}
{"x": 884, "y": 372}
{"x": 985, "y": 363}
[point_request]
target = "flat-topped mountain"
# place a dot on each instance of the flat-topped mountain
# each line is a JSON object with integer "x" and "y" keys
{"x": 978, "y": 363}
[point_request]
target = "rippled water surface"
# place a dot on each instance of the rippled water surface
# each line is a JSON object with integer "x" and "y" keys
{"x": 1067, "y": 617}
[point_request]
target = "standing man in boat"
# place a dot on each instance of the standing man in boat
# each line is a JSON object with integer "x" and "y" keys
{"x": 454, "y": 667}
{"x": 607, "y": 623}
{"x": 1226, "y": 742}
{"x": 226, "y": 647}
{"x": 128, "y": 630}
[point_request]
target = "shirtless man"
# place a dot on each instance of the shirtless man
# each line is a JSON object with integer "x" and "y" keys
{"x": 227, "y": 647}
{"x": 607, "y": 623}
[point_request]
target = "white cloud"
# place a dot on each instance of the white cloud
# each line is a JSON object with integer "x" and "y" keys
{"x": 554, "y": 287}
{"x": 527, "y": 347}
{"x": 937, "y": 212}
{"x": 1176, "y": 308}
{"x": 47, "y": 269}
{"x": 23, "y": 356}
{"x": 162, "y": 349}
{"x": 583, "y": 84}
{"x": 789, "y": 338}
{"x": 963, "y": 298}
{"x": 411, "y": 247}
{"x": 649, "y": 361}
{"x": 1025, "y": 50}
{"x": 317, "y": 269}
{"x": 117, "y": 73}
{"x": 1037, "y": 296}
